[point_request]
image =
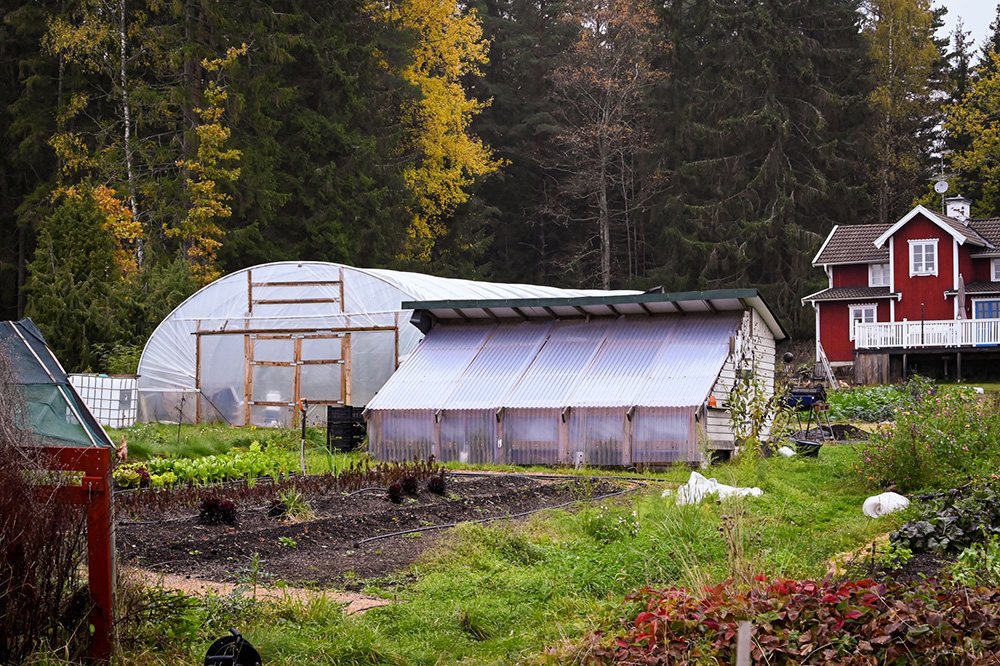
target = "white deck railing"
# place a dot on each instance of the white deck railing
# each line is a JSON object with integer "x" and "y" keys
{"x": 917, "y": 334}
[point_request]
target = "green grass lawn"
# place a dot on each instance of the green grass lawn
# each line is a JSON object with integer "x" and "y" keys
{"x": 501, "y": 594}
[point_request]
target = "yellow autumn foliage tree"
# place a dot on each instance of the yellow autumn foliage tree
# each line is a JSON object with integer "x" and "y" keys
{"x": 977, "y": 115}
{"x": 449, "y": 45}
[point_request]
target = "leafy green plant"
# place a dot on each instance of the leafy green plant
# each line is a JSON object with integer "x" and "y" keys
{"x": 979, "y": 564}
{"x": 954, "y": 522}
{"x": 288, "y": 542}
{"x": 295, "y": 505}
{"x": 869, "y": 404}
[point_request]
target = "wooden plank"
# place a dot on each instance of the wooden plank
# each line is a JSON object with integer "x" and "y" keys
{"x": 343, "y": 308}
{"x": 299, "y": 283}
{"x": 297, "y": 387}
{"x": 395, "y": 331}
{"x": 271, "y": 403}
{"x": 292, "y": 301}
{"x": 249, "y": 292}
{"x": 261, "y": 331}
{"x": 197, "y": 374}
{"x": 345, "y": 351}
{"x": 322, "y": 361}
{"x": 248, "y": 377}
{"x": 286, "y": 364}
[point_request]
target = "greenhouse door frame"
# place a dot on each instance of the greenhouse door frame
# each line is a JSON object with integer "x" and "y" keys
{"x": 297, "y": 362}
{"x": 296, "y": 335}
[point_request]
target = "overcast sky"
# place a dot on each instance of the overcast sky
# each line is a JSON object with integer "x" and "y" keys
{"x": 975, "y": 14}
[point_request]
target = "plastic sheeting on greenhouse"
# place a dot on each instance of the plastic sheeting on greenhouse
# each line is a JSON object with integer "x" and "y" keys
{"x": 56, "y": 414}
{"x": 606, "y": 391}
{"x": 249, "y": 347}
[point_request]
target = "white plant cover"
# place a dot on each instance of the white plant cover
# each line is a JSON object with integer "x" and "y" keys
{"x": 880, "y": 505}
{"x": 786, "y": 451}
{"x": 698, "y": 488}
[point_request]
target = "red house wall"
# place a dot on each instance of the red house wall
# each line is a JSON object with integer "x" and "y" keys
{"x": 928, "y": 290}
{"x": 834, "y": 327}
{"x": 981, "y": 271}
{"x": 850, "y": 275}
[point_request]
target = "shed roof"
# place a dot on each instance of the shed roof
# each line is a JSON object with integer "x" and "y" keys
{"x": 647, "y": 362}
{"x": 605, "y": 305}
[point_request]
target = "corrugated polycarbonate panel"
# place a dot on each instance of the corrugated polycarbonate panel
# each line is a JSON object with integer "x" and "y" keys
{"x": 623, "y": 362}
{"x": 401, "y": 434}
{"x": 498, "y": 366}
{"x": 684, "y": 373}
{"x": 531, "y": 436}
{"x": 559, "y": 365}
{"x": 428, "y": 378}
{"x": 468, "y": 436}
{"x": 600, "y": 434}
{"x": 663, "y": 435}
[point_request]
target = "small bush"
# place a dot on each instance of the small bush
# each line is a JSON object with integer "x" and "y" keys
{"x": 941, "y": 438}
{"x": 296, "y": 506}
{"x": 436, "y": 485}
{"x": 869, "y": 404}
{"x": 807, "y": 622}
{"x": 979, "y": 564}
{"x": 395, "y": 492}
{"x": 216, "y": 511}
{"x": 410, "y": 485}
{"x": 954, "y": 522}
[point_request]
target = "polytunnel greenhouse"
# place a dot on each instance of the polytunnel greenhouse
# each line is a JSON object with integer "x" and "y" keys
{"x": 251, "y": 346}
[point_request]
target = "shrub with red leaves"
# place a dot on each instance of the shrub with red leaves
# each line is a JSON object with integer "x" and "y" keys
{"x": 395, "y": 492}
{"x": 436, "y": 484}
{"x": 808, "y": 622}
{"x": 216, "y": 511}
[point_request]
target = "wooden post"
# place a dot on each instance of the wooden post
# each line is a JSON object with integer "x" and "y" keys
{"x": 94, "y": 492}
{"x": 297, "y": 381}
{"x": 958, "y": 366}
{"x": 346, "y": 379}
{"x": 197, "y": 373}
{"x": 249, "y": 293}
{"x": 395, "y": 333}
{"x": 247, "y": 377}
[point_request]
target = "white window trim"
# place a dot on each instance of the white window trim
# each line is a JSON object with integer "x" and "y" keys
{"x": 937, "y": 256}
{"x": 871, "y": 275}
{"x": 850, "y": 315}
{"x": 994, "y": 272}
{"x": 983, "y": 298}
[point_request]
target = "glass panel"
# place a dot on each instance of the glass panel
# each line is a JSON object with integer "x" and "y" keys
{"x": 320, "y": 382}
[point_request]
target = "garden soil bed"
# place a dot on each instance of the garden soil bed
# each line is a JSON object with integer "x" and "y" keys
{"x": 323, "y": 550}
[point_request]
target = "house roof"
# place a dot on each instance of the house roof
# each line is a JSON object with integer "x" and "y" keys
{"x": 982, "y": 287}
{"x": 610, "y": 305}
{"x": 866, "y": 243}
{"x": 955, "y": 228}
{"x": 850, "y": 294}
{"x": 853, "y": 243}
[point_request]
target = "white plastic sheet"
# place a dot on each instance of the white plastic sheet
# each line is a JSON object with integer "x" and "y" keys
{"x": 880, "y": 505}
{"x": 698, "y": 488}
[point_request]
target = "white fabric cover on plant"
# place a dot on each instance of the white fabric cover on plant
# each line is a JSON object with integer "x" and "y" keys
{"x": 698, "y": 487}
{"x": 786, "y": 451}
{"x": 880, "y": 505}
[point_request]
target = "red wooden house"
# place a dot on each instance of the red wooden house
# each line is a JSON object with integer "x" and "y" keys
{"x": 913, "y": 296}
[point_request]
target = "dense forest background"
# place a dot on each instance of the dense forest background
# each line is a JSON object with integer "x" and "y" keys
{"x": 149, "y": 146}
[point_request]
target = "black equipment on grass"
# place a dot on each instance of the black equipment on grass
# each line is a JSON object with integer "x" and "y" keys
{"x": 232, "y": 650}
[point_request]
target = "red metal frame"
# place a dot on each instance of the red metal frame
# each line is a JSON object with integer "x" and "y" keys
{"x": 94, "y": 492}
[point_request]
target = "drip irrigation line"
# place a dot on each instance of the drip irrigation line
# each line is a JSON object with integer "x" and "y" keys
{"x": 157, "y": 522}
{"x": 526, "y": 475}
{"x": 365, "y": 490}
{"x": 358, "y": 544}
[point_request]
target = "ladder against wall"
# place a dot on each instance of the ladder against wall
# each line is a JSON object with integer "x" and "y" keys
{"x": 824, "y": 363}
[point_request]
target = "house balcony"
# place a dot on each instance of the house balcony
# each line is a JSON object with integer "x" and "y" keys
{"x": 956, "y": 333}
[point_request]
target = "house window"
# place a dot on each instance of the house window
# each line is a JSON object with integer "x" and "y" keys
{"x": 878, "y": 275}
{"x": 986, "y": 309}
{"x": 995, "y": 270}
{"x": 863, "y": 314}
{"x": 923, "y": 257}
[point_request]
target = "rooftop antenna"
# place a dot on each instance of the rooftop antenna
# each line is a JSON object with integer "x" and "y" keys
{"x": 941, "y": 187}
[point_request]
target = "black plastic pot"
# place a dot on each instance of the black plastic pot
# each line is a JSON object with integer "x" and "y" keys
{"x": 807, "y": 447}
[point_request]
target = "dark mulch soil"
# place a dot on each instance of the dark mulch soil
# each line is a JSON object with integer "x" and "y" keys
{"x": 916, "y": 569}
{"x": 325, "y": 550}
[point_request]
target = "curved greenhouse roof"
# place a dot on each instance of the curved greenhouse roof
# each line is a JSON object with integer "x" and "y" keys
{"x": 247, "y": 347}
